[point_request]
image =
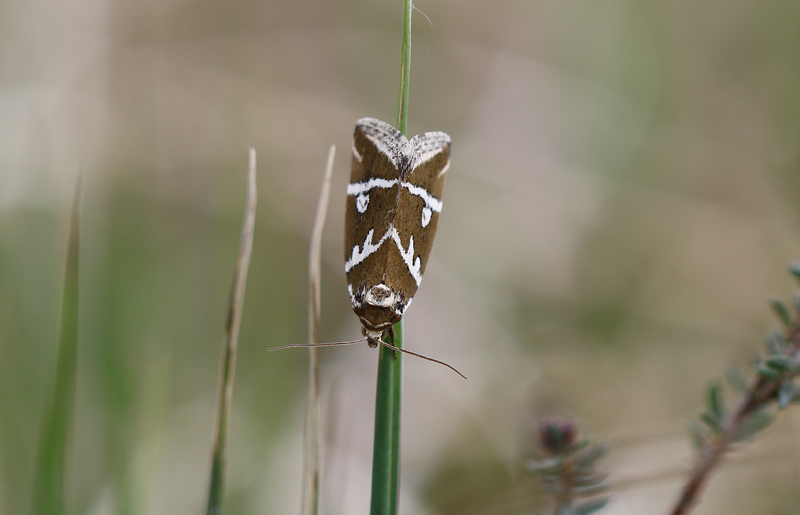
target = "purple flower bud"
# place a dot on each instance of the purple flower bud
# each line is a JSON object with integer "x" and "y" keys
{"x": 557, "y": 434}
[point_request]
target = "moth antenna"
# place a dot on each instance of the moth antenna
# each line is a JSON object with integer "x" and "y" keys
{"x": 451, "y": 367}
{"x": 326, "y": 344}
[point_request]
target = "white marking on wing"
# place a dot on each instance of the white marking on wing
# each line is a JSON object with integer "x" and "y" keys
{"x": 433, "y": 203}
{"x": 444, "y": 169}
{"x": 357, "y": 188}
{"x": 426, "y": 216}
{"x": 362, "y": 201}
{"x": 388, "y": 140}
{"x": 428, "y": 145}
{"x": 356, "y": 154}
{"x": 401, "y": 307}
{"x": 412, "y": 264}
{"x": 359, "y": 254}
{"x": 353, "y": 300}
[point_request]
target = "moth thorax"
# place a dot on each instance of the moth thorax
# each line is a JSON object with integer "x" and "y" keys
{"x": 380, "y": 296}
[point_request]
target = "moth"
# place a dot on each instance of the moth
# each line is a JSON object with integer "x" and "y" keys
{"x": 394, "y": 199}
{"x": 393, "y": 203}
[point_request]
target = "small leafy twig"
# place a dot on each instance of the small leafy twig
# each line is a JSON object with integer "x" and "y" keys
{"x": 311, "y": 442}
{"x": 566, "y": 468}
{"x": 216, "y": 487}
{"x": 772, "y": 384}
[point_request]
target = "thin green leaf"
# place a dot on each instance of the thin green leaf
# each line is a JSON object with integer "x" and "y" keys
{"x": 735, "y": 379}
{"x": 768, "y": 373}
{"x": 796, "y": 302}
{"x": 565, "y": 509}
{"x": 754, "y": 424}
{"x": 785, "y": 394}
{"x": 405, "y": 68}
{"x": 794, "y": 269}
{"x": 782, "y": 312}
{"x": 597, "y": 485}
{"x": 714, "y": 400}
{"x": 711, "y": 421}
{"x": 776, "y": 342}
{"x": 591, "y": 506}
{"x": 781, "y": 363}
{"x": 576, "y": 448}
{"x": 590, "y": 455}
{"x": 546, "y": 466}
{"x": 698, "y": 436}
{"x": 216, "y": 487}
{"x": 49, "y": 475}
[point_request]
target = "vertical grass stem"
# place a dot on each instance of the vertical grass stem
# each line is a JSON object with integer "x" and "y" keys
{"x": 386, "y": 447}
{"x": 216, "y": 487}
{"x": 49, "y": 475}
{"x": 311, "y": 438}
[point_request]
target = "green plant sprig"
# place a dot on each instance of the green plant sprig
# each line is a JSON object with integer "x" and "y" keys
{"x": 567, "y": 468}
{"x": 771, "y": 386}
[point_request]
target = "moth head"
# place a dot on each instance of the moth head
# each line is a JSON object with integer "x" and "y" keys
{"x": 373, "y": 337}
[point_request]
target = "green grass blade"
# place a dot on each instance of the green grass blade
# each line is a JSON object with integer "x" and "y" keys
{"x": 48, "y": 486}
{"x": 216, "y": 487}
{"x": 386, "y": 447}
{"x": 386, "y": 443}
{"x": 405, "y": 68}
{"x": 312, "y": 437}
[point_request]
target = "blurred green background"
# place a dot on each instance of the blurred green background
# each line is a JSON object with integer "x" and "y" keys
{"x": 623, "y": 200}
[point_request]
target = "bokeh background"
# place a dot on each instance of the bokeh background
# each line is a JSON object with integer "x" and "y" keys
{"x": 623, "y": 200}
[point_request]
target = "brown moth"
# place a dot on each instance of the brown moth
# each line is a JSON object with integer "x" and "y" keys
{"x": 393, "y": 203}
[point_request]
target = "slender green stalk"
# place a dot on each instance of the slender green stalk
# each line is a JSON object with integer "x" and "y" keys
{"x": 386, "y": 447}
{"x": 405, "y": 68}
{"x": 48, "y": 486}
{"x": 216, "y": 487}
{"x": 311, "y": 442}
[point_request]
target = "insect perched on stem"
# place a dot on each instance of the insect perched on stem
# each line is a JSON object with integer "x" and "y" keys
{"x": 393, "y": 203}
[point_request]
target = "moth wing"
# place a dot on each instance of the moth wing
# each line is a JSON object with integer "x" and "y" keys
{"x": 371, "y": 200}
{"x": 420, "y": 204}
{"x": 431, "y": 162}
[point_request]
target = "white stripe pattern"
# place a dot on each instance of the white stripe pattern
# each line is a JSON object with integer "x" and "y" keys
{"x": 427, "y": 146}
{"x": 357, "y": 188}
{"x": 432, "y": 202}
{"x": 412, "y": 264}
{"x": 360, "y": 253}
